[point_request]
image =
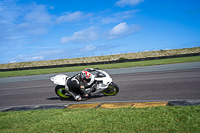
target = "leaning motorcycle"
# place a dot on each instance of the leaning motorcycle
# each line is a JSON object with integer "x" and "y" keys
{"x": 102, "y": 83}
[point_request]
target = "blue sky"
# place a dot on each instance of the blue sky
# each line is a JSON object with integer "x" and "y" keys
{"x": 32, "y": 30}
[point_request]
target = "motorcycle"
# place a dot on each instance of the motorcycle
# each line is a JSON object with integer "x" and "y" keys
{"x": 102, "y": 83}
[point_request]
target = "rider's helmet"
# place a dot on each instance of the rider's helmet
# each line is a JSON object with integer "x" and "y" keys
{"x": 86, "y": 76}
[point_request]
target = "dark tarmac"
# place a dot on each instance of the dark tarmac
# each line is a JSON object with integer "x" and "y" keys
{"x": 176, "y": 84}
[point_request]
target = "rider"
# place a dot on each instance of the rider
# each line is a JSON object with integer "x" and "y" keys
{"x": 79, "y": 81}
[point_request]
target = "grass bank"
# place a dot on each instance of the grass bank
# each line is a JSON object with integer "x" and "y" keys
{"x": 157, "y": 53}
{"x": 157, "y": 119}
{"x": 105, "y": 66}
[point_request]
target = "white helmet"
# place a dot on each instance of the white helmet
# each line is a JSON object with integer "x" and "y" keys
{"x": 86, "y": 76}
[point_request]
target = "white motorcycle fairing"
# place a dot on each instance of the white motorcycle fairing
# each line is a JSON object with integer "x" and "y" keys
{"x": 59, "y": 79}
{"x": 105, "y": 79}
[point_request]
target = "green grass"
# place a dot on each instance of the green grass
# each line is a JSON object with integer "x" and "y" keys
{"x": 127, "y": 120}
{"x": 104, "y": 66}
{"x": 157, "y": 53}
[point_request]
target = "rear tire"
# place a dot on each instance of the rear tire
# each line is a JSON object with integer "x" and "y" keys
{"x": 60, "y": 91}
{"x": 112, "y": 89}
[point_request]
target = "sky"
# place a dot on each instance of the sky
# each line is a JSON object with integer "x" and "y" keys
{"x": 37, "y": 30}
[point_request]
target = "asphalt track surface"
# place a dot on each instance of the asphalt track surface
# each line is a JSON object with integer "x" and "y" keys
{"x": 174, "y": 82}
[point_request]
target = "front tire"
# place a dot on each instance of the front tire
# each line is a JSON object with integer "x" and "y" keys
{"x": 112, "y": 89}
{"x": 60, "y": 91}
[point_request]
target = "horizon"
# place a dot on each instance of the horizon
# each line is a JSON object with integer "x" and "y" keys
{"x": 39, "y": 30}
{"x": 103, "y": 55}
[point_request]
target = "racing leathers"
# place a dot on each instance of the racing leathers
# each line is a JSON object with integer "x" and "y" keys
{"x": 74, "y": 84}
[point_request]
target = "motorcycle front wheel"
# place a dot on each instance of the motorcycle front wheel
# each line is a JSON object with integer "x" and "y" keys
{"x": 60, "y": 91}
{"x": 112, "y": 89}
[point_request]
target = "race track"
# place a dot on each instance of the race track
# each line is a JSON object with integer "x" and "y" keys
{"x": 152, "y": 83}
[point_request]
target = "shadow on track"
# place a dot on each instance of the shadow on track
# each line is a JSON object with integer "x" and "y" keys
{"x": 72, "y": 99}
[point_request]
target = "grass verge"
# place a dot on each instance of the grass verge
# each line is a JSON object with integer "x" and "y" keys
{"x": 157, "y": 119}
{"x": 105, "y": 66}
{"x": 157, "y": 53}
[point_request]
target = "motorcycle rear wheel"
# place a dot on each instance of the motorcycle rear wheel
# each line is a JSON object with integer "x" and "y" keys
{"x": 60, "y": 91}
{"x": 112, "y": 89}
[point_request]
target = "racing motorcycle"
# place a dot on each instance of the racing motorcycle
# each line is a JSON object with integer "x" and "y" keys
{"x": 102, "y": 83}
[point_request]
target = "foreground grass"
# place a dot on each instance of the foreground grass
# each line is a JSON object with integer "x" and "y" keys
{"x": 104, "y": 66}
{"x": 157, "y": 119}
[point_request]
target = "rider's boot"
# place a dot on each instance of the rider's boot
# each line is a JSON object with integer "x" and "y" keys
{"x": 78, "y": 97}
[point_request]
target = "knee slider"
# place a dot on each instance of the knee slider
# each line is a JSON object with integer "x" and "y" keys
{"x": 82, "y": 87}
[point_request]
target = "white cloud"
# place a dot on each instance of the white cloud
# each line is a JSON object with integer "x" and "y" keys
{"x": 88, "y": 48}
{"x": 42, "y": 55}
{"x": 38, "y": 15}
{"x": 123, "y": 29}
{"x": 51, "y": 7}
{"x": 122, "y": 3}
{"x": 9, "y": 16}
{"x": 9, "y": 12}
{"x": 117, "y": 17}
{"x": 38, "y": 58}
{"x": 27, "y": 20}
{"x": 92, "y": 34}
{"x": 86, "y": 35}
{"x": 36, "y": 20}
{"x": 73, "y": 17}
